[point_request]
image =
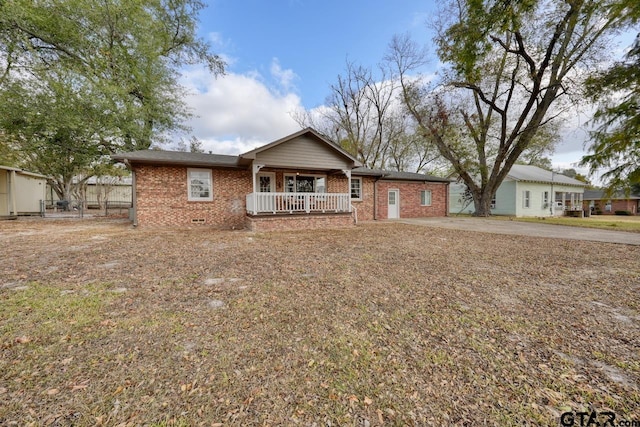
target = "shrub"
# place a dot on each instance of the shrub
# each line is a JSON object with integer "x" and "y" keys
{"x": 622, "y": 213}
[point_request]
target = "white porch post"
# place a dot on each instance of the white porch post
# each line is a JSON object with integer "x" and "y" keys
{"x": 347, "y": 172}
{"x": 254, "y": 174}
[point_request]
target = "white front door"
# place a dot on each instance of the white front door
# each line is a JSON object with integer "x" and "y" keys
{"x": 393, "y": 210}
{"x": 266, "y": 184}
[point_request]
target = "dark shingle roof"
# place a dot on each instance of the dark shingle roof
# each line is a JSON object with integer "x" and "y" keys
{"x": 600, "y": 195}
{"x": 401, "y": 176}
{"x": 179, "y": 158}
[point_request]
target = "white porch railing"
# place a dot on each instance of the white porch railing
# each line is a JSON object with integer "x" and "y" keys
{"x": 297, "y": 202}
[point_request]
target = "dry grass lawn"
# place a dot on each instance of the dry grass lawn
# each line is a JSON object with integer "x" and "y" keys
{"x": 382, "y": 324}
{"x": 603, "y": 222}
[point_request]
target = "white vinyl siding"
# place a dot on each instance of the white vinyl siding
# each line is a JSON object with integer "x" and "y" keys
{"x": 304, "y": 153}
{"x": 200, "y": 185}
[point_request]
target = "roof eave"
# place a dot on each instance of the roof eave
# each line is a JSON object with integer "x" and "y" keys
{"x": 169, "y": 162}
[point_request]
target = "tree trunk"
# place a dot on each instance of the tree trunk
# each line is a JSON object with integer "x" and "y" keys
{"x": 482, "y": 204}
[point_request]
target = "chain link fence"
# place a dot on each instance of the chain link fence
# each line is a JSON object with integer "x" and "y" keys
{"x": 81, "y": 208}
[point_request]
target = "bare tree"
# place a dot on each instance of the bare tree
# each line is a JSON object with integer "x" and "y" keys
{"x": 365, "y": 115}
{"x": 513, "y": 65}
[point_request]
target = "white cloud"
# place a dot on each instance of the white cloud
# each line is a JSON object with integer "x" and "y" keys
{"x": 236, "y": 112}
{"x": 285, "y": 78}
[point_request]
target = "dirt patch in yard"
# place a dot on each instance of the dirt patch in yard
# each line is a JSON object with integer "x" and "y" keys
{"x": 382, "y": 324}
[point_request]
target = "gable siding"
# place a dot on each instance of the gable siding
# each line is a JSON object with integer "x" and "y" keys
{"x": 303, "y": 152}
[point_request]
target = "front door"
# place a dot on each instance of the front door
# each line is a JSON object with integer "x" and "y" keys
{"x": 393, "y": 210}
{"x": 266, "y": 184}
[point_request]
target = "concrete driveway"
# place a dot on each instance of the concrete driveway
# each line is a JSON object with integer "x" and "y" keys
{"x": 528, "y": 229}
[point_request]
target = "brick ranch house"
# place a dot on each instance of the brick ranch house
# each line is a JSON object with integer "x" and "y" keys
{"x": 600, "y": 203}
{"x": 300, "y": 181}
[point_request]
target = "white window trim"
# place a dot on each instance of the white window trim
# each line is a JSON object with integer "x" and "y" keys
{"x": 430, "y": 196}
{"x": 356, "y": 199}
{"x": 526, "y": 199}
{"x": 296, "y": 175}
{"x": 199, "y": 199}
{"x": 271, "y": 175}
{"x": 545, "y": 199}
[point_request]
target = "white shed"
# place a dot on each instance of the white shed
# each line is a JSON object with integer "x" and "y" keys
{"x": 21, "y": 192}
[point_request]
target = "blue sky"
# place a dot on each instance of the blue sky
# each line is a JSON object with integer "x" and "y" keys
{"x": 283, "y": 55}
{"x": 312, "y": 38}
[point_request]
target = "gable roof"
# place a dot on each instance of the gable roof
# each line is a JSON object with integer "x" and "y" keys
{"x": 179, "y": 158}
{"x": 399, "y": 176}
{"x": 242, "y": 161}
{"x": 307, "y": 132}
{"x": 22, "y": 172}
{"x": 531, "y": 173}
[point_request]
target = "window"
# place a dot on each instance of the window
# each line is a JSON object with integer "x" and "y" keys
{"x": 526, "y": 199}
{"x": 266, "y": 182}
{"x": 425, "y": 197}
{"x": 305, "y": 184}
{"x": 356, "y": 188}
{"x": 545, "y": 199}
{"x": 199, "y": 184}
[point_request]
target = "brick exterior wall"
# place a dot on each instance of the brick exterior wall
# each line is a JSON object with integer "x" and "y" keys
{"x": 365, "y": 206}
{"x": 616, "y": 205}
{"x": 298, "y": 222}
{"x": 410, "y": 199}
{"x": 162, "y": 200}
{"x": 161, "y": 197}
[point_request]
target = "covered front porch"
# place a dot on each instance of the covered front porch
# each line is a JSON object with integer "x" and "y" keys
{"x": 300, "y": 203}
{"x": 568, "y": 203}
{"x": 283, "y": 191}
{"x": 300, "y": 176}
{"x": 289, "y": 199}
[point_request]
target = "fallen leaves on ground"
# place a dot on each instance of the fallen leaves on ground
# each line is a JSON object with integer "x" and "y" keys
{"x": 381, "y": 324}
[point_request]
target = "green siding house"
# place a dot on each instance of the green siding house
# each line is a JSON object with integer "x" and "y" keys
{"x": 527, "y": 191}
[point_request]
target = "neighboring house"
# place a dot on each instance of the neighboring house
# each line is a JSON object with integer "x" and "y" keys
{"x": 528, "y": 191}
{"x": 21, "y": 192}
{"x": 600, "y": 204}
{"x": 300, "y": 181}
